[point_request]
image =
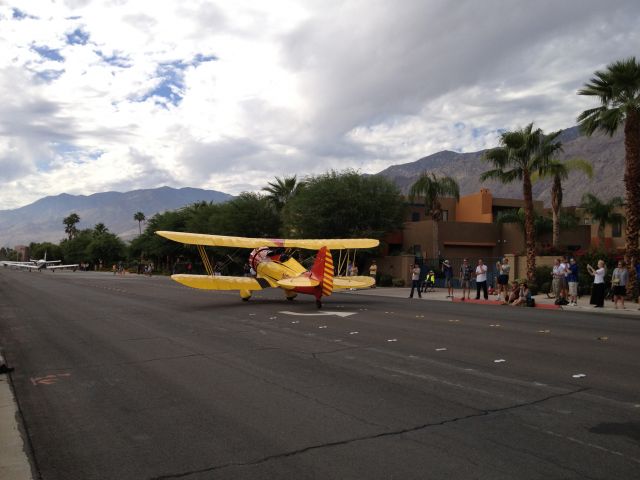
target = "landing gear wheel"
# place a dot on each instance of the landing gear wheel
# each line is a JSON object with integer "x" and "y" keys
{"x": 318, "y": 304}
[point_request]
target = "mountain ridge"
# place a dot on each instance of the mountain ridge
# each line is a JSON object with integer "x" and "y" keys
{"x": 42, "y": 220}
{"x": 606, "y": 154}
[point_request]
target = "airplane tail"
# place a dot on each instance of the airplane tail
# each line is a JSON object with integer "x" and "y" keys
{"x": 322, "y": 271}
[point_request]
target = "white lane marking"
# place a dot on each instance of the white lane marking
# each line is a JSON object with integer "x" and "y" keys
{"x": 324, "y": 313}
{"x": 440, "y": 349}
{"x": 322, "y": 326}
{"x": 296, "y": 321}
{"x": 392, "y": 340}
{"x": 495, "y": 325}
{"x": 544, "y": 331}
{"x": 578, "y": 375}
{"x": 353, "y": 333}
{"x": 454, "y": 321}
{"x": 499, "y": 360}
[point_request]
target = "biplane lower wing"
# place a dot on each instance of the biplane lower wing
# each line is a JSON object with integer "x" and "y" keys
{"x": 299, "y": 282}
{"x": 218, "y": 282}
{"x": 343, "y": 283}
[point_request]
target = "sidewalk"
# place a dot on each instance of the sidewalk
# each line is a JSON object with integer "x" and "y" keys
{"x": 542, "y": 301}
{"x": 14, "y": 464}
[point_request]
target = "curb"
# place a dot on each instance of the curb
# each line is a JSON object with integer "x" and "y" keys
{"x": 14, "y": 461}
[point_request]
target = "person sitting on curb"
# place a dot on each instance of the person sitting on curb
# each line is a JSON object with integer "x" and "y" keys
{"x": 514, "y": 293}
{"x": 524, "y": 296}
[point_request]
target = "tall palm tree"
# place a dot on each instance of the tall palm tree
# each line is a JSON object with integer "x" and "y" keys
{"x": 433, "y": 189}
{"x": 602, "y": 212}
{"x": 618, "y": 90}
{"x": 281, "y": 190}
{"x": 559, "y": 171}
{"x": 522, "y": 152}
{"x": 139, "y": 217}
{"x": 70, "y": 225}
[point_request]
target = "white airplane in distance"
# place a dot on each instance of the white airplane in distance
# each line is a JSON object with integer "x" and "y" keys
{"x": 39, "y": 265}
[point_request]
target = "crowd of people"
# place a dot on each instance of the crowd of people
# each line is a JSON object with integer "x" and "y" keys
{"x": 564, "y": 282}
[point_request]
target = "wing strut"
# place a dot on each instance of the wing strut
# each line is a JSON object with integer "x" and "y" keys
{"x": 205, "y": 260}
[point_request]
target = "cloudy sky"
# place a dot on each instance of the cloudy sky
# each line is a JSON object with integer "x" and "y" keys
{"x": 120, "y": 95}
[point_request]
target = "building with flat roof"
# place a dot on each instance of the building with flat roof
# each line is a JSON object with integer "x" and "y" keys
{"x": 469, "y": 229}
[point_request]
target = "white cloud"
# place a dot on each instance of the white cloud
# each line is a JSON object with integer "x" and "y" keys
{"x": 113, "y": 95}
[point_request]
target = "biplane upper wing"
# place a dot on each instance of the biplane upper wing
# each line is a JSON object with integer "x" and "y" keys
{"x": 218, "y": 282}
{"x": 244, "y": 242}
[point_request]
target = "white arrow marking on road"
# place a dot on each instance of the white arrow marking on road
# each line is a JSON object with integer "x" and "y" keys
{"x": 320, "y": 314}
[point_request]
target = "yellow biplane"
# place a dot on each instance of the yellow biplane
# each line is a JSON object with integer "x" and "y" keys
{"x": 273, "y": 265}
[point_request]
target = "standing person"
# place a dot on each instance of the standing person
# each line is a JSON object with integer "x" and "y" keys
{"x": 597, "y": 292}
{"x": 619, "y": 280}
{"x": 415, "y": 280}
{"x": 558, "y": 274}
{"x": 503, "y": 278}
{"x": 465, "y": 278}
{"x": 564, "y": 284}
{"x": 447, "y": 270}
{"x": 354, "y": 270}
{"x": 481, "y": 280}
{"x": 373, "y": 271}
{"x": 572, "y": 281}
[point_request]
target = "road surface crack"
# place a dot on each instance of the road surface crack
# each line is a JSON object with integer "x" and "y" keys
{"x": 292, "y": 453}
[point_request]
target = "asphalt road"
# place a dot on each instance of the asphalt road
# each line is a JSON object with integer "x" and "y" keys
{"x": 140, "y": 378}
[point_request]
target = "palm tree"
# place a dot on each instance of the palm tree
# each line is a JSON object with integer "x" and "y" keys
{"x": 70, "y": 225}
{"x": 601, "y": 212}
{"x": 559, "y": 171}
{"x": 433, "y": 189}
{"x": 139, "y": 217}
{"x": 280, "y": 191}
{"x": 618, "y": 89}
{"x": 522, "y": 152}
{"x": 100, "y": 228}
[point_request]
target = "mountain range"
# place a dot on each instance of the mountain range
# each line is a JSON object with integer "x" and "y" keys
{"x": 605, "y": 153}
{"x": 42, "y": 220}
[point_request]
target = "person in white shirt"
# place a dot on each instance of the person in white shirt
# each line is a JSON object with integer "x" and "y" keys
{"x": 597, "y": 292}
{"x": 415, "y": 280}
{"x": 481, "y": 280}
{"x": 557, "y": 285}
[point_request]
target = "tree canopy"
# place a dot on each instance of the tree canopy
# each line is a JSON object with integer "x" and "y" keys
{"x": 344, "y": 204}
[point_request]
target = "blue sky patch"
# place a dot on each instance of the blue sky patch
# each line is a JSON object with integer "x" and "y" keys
{"x": 49, "y": 75}
{"x": 48, "y": 53}
{"x": 18, "y": 14}
{"x": 171, "y": 82}
{"x": 115, "y": 60}
{"x": 77, "y": 37}
{"x": 200, "y": 58}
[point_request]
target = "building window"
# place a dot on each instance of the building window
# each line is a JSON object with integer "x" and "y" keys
{"x": 415, "y": 216}
{"x": 445, "y": 215}
{"x": 616, "y": 229}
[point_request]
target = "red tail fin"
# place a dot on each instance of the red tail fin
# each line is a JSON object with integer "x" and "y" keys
{"x": 322, "y": 270}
